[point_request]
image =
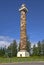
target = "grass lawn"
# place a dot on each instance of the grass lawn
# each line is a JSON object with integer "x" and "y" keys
{"x": 15, "y": 59}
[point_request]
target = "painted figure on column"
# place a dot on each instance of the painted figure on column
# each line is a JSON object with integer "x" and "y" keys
{"x": 23, "y": 11}
{"x": 23, "y": 40}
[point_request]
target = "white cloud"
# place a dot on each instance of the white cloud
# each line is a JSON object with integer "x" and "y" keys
{"x": 5, "y": 38}
{"x": 5, "y": 41}
{"x": 33, "y": 43}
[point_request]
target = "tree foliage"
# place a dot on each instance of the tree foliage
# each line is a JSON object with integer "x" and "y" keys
{"x": 34, "y": 50}
{"x": 28, "y": 46}
{"x": 13, "y": 49}
{"x": 2, "y": 52}
{"x": 39, "y": 48}
{"x": 42, "y": 46}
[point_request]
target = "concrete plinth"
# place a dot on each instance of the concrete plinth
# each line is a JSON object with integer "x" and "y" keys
{"x": 23, "y": 53}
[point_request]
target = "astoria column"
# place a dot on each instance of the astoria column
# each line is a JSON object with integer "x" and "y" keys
{"x": 23, "y": 38}
{"x": 23, "y": 10}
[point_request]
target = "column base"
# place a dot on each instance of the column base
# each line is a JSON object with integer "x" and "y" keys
{"x": 23, "y": 53}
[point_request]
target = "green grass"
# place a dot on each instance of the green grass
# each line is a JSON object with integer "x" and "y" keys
{"x": 15, "y": 59}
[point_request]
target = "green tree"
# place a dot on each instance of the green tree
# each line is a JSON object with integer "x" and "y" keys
{"x": 13, "y": 49}
{"x": 34, "y": 50}
{"x": 2, "y": 52}
{"x": 42, "y": 47}
{"x": 28, "y": 46}
{"x": 18, "y": 47}
{"x": 39, "y": 48}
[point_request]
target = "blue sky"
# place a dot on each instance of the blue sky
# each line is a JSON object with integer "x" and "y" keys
{"x": 10, "y": 19}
